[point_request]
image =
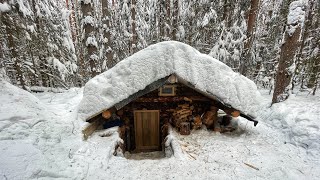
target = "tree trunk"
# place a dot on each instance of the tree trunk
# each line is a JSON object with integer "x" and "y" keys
{"x": 40, "y": 42}
{"x": 299, "y": 58}
{"x": 246, "y": 54}
{"x": 89, "y": 32}
{"x": 314, "y": 55}
{"x": 175, "y": 15}
{"x": 108, "y": 51}
{"x": 36, "y": 74}
{"x": 286, "y": 61}
{"x": 134, "y": 40}
{"x": 314, "y": 74}
{"x": 314, "y": 65}
{"x": 227, "y": 13}
{"x": 161, "y": 6}
{"x": 10, "y": 30}
{"x": 72, "y": 21}
{"x": 168, "y": 18}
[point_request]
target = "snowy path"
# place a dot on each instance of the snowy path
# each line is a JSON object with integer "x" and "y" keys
{"x": 41, "y": 139}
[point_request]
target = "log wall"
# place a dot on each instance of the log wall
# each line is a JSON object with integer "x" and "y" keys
{"x": 187, "y": 105}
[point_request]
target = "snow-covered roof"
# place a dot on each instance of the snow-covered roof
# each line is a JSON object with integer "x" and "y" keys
{"x": 160, "y": 60}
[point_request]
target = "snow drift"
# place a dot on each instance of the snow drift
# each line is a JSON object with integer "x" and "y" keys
{"x": 25, "y": 104}
{"x": 298, "y": 118}
{"x": 161, "y": 60}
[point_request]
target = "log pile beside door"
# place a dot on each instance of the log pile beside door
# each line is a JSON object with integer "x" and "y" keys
{"x": 210, "y": 117}
{"x": 182, "y": 114}
{"x": 147, "y": 130}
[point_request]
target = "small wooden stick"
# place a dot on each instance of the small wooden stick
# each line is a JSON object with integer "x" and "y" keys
{"x": 251, "y": 166}
{"x": 192, "y": 156}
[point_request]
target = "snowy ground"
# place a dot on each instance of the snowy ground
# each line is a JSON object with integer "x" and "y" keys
{"x": 40, "y": 138}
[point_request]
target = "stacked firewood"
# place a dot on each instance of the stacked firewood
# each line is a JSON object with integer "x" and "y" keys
{"x": 182, "y": 114}
{"x": 210, "y": 118}
{"x": 197, "y": 122}
{"x": 220, "y": 121}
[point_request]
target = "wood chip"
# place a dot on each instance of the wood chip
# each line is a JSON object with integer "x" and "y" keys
{"x": 251, "y": 166}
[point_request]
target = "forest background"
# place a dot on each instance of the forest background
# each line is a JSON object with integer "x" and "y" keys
{"x": 54, "y": 44}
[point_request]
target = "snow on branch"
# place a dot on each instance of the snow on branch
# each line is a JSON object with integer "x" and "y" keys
{"x": 4, "y": 7}
{"x": 212, "y": 14}
{"x": 88, "y": 20}
{"x": 91, "y": 41}
{"x": 94, "y": 57}
{"x": 60, "y": 67}
{"x": 85, "y": 1}
{"x": 23, "y": 7}
{"x": 296, "y": 16}
{"x": 65, "y": 13}
{"x": 31, "y": 28}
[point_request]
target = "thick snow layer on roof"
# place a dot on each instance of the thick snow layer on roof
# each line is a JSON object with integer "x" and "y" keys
{"x": 161, "y": 60}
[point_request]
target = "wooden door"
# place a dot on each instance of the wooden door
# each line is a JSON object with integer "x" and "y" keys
{"x": 146, "y": 124}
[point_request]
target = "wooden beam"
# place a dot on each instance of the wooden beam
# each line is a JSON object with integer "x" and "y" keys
{"x": 91, "y": 128}
{"x": 170, "y": 99}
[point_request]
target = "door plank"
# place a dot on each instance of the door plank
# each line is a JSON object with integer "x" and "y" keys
{"x": 147, "y": 129}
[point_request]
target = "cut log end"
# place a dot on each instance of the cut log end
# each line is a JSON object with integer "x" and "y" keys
{"x": 106, "y": 114}
{"x": 235, "y": 114}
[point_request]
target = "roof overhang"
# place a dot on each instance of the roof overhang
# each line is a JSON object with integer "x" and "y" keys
{"x": 159, "y": 83}
{"x": 150, "y": 68}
